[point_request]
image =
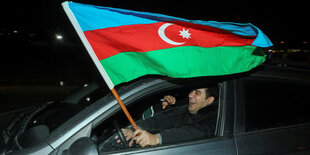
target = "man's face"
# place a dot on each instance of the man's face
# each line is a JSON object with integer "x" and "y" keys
{"x": 197, "y": 100}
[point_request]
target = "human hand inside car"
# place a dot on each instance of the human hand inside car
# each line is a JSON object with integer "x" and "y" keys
{"x": 128, "y": 133}
{"x": 168, "y": 100}
{"x": 144, "y": 138}
{"x": 141, "y": 137}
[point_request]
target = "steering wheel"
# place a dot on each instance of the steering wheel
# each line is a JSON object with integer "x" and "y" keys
{"x": 111, "y": 143}
{"x": 120, "y": 134}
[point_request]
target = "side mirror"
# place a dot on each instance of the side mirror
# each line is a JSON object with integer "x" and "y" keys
{"x": 82, "y": 146}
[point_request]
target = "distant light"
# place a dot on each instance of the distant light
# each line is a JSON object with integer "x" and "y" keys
{"x": 31, "y": 35}
{"x": 282, "y": 42}
{"x": 15, "y": 31}
{"x": 58, "y": 36}
{"x": 61, "y": 83}
{"x": 305, "y": 42}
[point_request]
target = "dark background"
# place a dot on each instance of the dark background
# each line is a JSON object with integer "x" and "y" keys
{"x": 284, "y": 21}
{"x": 37, "y": 67}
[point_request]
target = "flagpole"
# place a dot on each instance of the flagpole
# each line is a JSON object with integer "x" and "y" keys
{"x": 120, "y": 102}
{"x": 97, "y": 62}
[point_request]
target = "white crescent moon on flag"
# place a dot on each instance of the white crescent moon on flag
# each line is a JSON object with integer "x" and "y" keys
{"x": 161, "y": 33}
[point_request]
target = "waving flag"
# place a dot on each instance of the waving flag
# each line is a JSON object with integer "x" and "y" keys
{"x": 127, "y": 44}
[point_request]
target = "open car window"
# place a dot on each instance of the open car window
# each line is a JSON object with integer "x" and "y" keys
{"x": 141, "y": 109}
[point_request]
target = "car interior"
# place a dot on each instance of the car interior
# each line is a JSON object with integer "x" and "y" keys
{"x": 104, "y": 134}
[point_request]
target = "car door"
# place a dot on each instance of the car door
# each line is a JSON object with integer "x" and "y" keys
{"x": 272, "y": 115}
{"x": 224, "y": 143}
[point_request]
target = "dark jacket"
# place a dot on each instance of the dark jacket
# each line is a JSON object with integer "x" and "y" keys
{"x": 178, "y": 125}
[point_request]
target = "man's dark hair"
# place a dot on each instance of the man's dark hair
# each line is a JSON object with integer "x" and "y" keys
{"x": 213, "y": 91}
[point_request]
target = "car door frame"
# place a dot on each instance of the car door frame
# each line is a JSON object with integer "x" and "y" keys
{"x": 273, "y": 140}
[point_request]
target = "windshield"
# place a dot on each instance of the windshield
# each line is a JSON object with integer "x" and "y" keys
{"x": 59, "y": 112}
{"x": 36, "y": 123}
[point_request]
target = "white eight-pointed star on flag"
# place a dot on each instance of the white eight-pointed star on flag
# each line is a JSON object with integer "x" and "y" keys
{"x": 185, "y": 34}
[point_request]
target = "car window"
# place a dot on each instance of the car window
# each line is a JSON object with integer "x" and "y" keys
{"x": 59, "y": 112}
{"x": 93, "y": 96}
{"x": 104, "y": 134}
{"x": 271, "y": 103}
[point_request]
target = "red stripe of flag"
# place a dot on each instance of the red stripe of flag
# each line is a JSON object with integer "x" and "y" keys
{"x": 143, "y": 38}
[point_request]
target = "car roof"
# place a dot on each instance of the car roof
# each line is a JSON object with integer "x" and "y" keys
{"x": 282, "y": 72}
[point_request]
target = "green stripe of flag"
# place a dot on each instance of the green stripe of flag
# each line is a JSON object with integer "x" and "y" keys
{"x": 183, "y": 62}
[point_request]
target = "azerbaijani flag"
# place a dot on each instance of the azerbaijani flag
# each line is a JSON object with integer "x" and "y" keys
{"x": 127, "y": 44}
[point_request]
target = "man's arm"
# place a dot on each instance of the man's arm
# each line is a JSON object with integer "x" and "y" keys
{"x": 162, "y": 120}
{"x": 205, "y": 129}
{"x": 155, "y": 124}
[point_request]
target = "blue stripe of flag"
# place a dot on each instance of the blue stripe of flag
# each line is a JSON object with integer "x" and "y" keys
{"x": 92, "y": 17}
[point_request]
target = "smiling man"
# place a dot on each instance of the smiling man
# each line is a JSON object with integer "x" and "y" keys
{"x": 196, "y": 120}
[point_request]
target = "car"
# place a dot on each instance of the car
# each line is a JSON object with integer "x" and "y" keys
{"x": 263, "y": 111}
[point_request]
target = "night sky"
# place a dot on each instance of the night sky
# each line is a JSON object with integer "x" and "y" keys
{"x": 28, "y": 28}
{"x": 285, "y": 21}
